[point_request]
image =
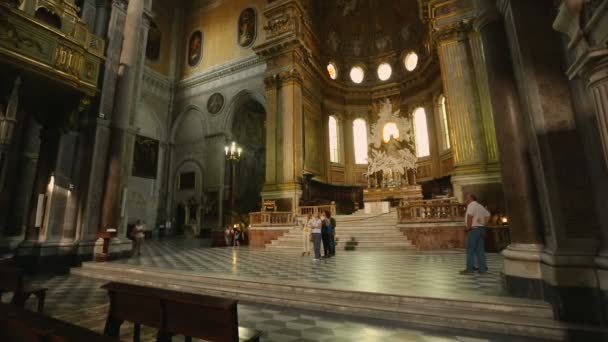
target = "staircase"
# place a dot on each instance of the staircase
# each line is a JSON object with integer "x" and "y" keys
{"x": 358, "y": 231}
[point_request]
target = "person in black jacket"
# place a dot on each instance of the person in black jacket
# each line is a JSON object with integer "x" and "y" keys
{"x": 332, "y": 234}
{"x": 325, "y": 236}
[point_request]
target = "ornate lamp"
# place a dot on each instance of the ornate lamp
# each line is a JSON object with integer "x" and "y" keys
{"x": 233, "y": 156}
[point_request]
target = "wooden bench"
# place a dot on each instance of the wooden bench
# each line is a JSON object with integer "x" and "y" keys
{"x": 174, "y": 313}
{"x": 18, "y": 324}
{"x": 12, "y": 280}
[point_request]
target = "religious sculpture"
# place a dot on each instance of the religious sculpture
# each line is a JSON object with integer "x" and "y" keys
{"x": 195, "y": 45}
{"x": 246, "y": 27}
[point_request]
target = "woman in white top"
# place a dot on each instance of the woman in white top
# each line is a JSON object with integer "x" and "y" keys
{"x": 306, "y": 229}
{"x": 316, "y": 235}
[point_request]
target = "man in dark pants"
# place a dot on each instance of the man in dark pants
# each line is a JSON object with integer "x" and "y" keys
{"x": 325, "y": 229}
{"x": 332, "y": 234}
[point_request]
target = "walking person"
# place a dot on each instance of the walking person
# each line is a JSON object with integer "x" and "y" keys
{"x": 316, "y": 236}
{"x": 306, "y": 237}
{"x": 332, "y": 233}
{"x": 325, "y": 230}
{"x": 237, "y": 237}
{"x": 476, "y": 219}
{"x": 138, "y": 231}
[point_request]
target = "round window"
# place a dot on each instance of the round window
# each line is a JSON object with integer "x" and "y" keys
{"x": 357, "y": 74}
{"x": 411, "y": 61}
{"x": 332, "y": 71}
{"x": 384, "y": 71}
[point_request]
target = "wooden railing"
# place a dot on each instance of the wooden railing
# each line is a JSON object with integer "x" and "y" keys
{"x": 317, "y": 209}
{"x": 431, "y": 211}
{"x": 271, "y": 218}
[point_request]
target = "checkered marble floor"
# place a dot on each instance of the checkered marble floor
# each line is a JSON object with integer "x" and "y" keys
{"x": 400, "y": 272}
{"x": 81, "y": 301}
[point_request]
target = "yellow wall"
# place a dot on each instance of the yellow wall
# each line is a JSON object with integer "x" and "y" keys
{"x": 219, "y": 27}
{"x": 163, "y": 19}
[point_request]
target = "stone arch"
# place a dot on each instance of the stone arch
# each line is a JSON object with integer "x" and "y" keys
{"x": 241, "y": 98}
{"x": 149, "y": 122}
{"x": 192, "y": 120}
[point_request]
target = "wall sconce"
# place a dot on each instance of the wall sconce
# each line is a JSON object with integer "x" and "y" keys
{"x": 504, "y": 220}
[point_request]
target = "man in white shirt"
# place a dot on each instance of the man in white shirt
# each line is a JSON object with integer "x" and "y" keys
{"x": 476, "y": 219}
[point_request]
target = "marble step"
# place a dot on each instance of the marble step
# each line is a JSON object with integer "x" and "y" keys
{"x": 489, "y": 314}
{"x": 342, "y": 234}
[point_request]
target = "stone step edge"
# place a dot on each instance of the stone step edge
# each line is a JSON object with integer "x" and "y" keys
{"x": 432, "y": 310}
{"x": 265, "y": 282}
{"x": 529, "y": 326}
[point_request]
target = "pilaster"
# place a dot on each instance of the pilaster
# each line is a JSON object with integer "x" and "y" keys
{"x": 472, "y": 134}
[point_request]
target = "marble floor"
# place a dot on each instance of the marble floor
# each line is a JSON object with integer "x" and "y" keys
{"x": 433, "y": 274}
{"x": 81, "y": 301}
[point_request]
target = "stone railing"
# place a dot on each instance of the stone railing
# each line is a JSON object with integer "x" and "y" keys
{"x": 431, "y": 211}
{"x": 271, "y": 218}
{"x": 317, "y": 209}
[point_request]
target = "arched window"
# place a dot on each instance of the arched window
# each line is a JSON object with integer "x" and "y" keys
{"x": 154, "y": 43}
{"x": 422, "y": 133}
{"x": 334, "y": 138}
{"x": 360, "y": 141}
{"x": 445, "y": 133}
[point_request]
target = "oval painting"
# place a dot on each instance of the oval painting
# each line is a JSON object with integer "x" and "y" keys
{"x": 215, "y": 103}
{"x": 195, "y": 48}
{"x": 247, "y": 27}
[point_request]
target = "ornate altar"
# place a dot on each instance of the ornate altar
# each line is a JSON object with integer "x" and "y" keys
{"x": 391, "y": 175}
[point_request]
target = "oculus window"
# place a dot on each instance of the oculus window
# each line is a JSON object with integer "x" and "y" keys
{"x": 422, "y": 133}
{"x": 334, "y": 138}
{"x": 332, "y": 71}
{"x": 445, "y": 133}
{"x": 390, "y": 130}
{"x": 357, "y": 74}
{"x": 411, "y": 61}
{"x": 384, "y": 71}
{"x": 360, "y": 141}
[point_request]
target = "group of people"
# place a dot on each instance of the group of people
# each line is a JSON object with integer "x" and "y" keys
{"x": 233, "y": 236}
{"x": 319, "y": 228}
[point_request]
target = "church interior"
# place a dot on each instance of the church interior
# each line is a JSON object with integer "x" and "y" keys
{"x": 164, "y": 164}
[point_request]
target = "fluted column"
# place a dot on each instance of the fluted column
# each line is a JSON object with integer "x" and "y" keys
{"x": 471, "y": 132}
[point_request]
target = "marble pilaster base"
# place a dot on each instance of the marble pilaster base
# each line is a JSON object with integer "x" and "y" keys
{"x": 522, "y": 271}
{"x": 46, "y": 256}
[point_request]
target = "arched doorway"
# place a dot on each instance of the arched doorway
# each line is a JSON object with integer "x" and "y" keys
{"x": 249, "y": 131}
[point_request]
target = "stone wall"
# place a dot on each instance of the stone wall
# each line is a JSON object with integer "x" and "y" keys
{"x": 260, "y": 236}
{"x": 433, "y": 236}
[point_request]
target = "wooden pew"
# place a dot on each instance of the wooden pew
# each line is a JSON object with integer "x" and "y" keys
{"x": 18, "y": 324}
{"x": 174, "y": 313}
{"x": 12, "y": 280}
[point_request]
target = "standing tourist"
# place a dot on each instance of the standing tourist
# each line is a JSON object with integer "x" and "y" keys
{"x": 306, "y": 237}
{"x": 237, "y": 236}
{"x": 228, "y": 235}
{"x": 138, "y": 231}
{"x": 476, "y": 219}
{"x": 316, "y": 234}
{"x": 332, "y": 233}
{"x": 325, "y": 231}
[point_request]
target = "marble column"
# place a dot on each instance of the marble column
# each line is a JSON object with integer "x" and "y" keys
{"x": 471, "y": 133}
{"x": 121, "y": 136}
{"x": 570, "y": 226}
{"x": 522, "y": 269}
{"x": 96, "y": 140}
{"x": 584, "y": 23}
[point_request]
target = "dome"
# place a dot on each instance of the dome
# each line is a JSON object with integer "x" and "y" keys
{"x": 369, "y": 28}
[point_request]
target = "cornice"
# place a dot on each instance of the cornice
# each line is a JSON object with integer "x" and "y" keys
{"x": 219, "y": 72}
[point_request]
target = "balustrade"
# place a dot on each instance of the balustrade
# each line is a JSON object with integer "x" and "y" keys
{"x": 317, "y": 209}
{"x": 431, "y": 211}
{"x": 271, "y": 218}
